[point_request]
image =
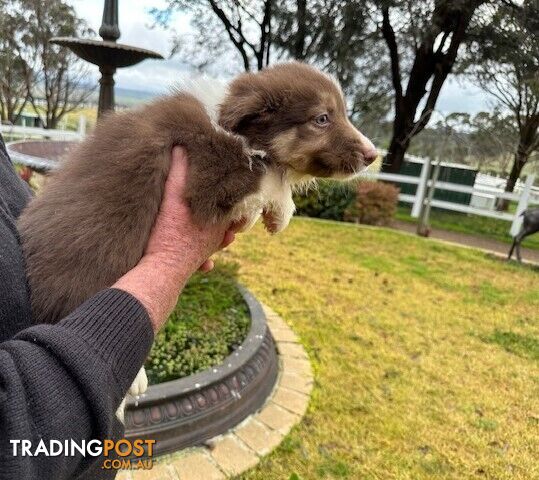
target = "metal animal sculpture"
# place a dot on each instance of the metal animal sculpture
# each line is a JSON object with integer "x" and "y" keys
{"x": 530, "y": 224}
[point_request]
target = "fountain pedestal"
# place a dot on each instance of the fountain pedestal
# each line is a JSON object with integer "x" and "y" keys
{"x": 106, "y": 53}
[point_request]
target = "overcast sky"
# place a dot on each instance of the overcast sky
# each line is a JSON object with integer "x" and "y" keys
{"x": 158, "y": 75}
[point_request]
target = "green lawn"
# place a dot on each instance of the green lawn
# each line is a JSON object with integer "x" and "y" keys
{"x": 472, "y": 224}
{"x": 425, "y": 355}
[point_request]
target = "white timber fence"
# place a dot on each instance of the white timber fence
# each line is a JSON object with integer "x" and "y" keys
{"x": 35, "y": 132}
{"x": 424, "y": 183}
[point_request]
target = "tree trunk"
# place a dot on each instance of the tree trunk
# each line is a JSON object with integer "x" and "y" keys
{"x": 521, "y": 157}
{"x": 432, "y": 64}
{"x": 400, "y": 141}
{"x": 52, "y": 122}
{"x": 299, "y": 41}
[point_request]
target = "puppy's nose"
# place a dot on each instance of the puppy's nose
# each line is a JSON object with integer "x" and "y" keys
{"x": 367, "y": 149}
{"x": 369, "y": 156}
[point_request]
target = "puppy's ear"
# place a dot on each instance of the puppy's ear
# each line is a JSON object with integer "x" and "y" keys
{"x": 247, "y": 101}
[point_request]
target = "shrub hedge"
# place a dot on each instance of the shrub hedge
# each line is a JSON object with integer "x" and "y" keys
{"x": 375, "y": 203}
{"x": 328, "y": 200}
{"x": 372, "y": 203}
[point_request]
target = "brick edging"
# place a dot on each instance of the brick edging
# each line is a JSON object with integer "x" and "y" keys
{"x": 243, "y": 446}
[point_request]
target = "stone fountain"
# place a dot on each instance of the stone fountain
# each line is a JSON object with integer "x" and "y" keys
{"x": 106, "y": 53}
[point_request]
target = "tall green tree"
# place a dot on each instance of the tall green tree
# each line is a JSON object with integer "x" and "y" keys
{"x": 423, "y": 41}
{"x": 503, "y": 59}
{"x": 61, "y": 81}
{"x": 15, "y": 72}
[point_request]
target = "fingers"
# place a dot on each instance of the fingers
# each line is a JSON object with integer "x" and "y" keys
{"x": 228, "y": 238}
{"x": 206, "y": 266}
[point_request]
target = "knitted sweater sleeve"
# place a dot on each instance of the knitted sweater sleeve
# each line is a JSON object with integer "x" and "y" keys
{"x": 62, "y": 381}
{"x": 65, "y": 381}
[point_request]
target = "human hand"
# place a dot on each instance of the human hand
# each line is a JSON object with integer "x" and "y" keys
{"x": 177, "y": 247}
{"x": 176, "y": 241}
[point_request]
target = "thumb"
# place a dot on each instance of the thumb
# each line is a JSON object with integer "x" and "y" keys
{"x": 177, "y": 174}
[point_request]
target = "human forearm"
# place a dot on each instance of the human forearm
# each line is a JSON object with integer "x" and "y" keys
{"x": 156, "y": 285}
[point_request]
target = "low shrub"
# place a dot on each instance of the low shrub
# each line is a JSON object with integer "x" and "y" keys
{"x": 33, "y": 179}
{"x": 328, "y": 200}
{"x": 375, "y": 203}
{"x": 209, "y": 322}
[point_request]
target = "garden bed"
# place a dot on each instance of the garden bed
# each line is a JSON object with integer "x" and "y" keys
{"x": 209, "y": 322}
{"x": 221, "y": 390}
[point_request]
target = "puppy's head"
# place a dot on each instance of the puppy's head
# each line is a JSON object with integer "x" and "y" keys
{"x": 298, "y": 115}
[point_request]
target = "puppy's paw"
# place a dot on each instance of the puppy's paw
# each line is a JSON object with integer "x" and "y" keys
{"x": 274, "y": 222}
{"x": 138, "y": 387}
{"x": 246, "y": 223}
{"x": 120, "y": 413}
{"x": 255, "y": 156}
{"x": 140, "y": 384}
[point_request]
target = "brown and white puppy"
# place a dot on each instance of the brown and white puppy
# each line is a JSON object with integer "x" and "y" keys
{"x": 272, "y": 130}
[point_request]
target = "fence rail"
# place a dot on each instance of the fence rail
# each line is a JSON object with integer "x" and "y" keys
{"x": 424, "y": 183}
{"x": 31, "y": 132}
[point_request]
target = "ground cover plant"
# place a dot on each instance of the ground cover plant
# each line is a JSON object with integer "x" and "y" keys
{"x": 209, "y": 322}
{"x": 425, "y": 355}
{"x": 471, "y": 224}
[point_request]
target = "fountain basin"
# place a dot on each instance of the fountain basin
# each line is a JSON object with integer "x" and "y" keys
{"x": 40, "y": 155}
{"x": 187, "y": 412}
{"x": 106, "y": 52}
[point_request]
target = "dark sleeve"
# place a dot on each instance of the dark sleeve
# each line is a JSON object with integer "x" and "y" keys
{"x": 65, "y": 381}
{"x": 2, "y": 145}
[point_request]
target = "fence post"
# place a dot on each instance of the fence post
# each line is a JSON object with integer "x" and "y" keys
{"x": 82, "y": 125}
{"x": 423, "y": 228}
{"x": 522, "y": 205}
{"x": 421, "y": 189}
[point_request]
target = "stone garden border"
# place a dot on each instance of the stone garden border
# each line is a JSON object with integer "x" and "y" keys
{"x": 242, "y": 447}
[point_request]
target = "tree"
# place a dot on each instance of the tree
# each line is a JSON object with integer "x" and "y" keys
{"x": 34, "y": 71}
{"x": 15, "y": 72}
{"x": 483, "y": 141}
{"x": 491, "y": 137}
{"x": 330, "y": 33}
{"x": 340, "y": 37}
{"x": 336, "y": 35}
{"x": 62, "y": 76}
{"x": 503, "y": 59}
{"x": 370, "y": 91}
{"x": 423, "y": 40}
{"x": 246, "y": 25}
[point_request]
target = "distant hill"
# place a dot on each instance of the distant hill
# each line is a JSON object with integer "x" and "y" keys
{"x": 128, "y": 97}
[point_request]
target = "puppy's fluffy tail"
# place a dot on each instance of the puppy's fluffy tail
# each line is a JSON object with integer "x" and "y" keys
{"x": 209, "y": 91}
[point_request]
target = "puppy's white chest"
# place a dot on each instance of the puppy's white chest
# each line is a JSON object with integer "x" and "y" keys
{"x": 273, "y": 201}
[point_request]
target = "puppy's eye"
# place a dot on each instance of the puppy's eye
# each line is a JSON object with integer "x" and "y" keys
{"x": 322, "y": 120}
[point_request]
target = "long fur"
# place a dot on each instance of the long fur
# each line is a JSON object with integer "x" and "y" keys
{"x": 92, "y": 221}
